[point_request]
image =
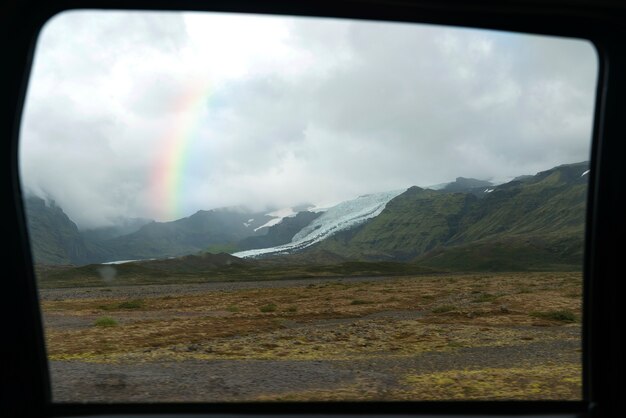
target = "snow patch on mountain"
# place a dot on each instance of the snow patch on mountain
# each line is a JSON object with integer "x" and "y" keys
{"x": 278, "y": 215}
{"x": 343, "y": 216}
{"x": 269, "y": 223}
{"x": 317, "y": 209}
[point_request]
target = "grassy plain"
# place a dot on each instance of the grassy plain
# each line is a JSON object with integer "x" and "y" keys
{"x": 423, "y": 337}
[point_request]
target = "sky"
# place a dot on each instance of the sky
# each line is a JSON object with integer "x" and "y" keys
{"x": 161, "y": 114}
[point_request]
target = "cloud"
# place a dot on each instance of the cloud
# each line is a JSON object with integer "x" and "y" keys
{"x": 162, "y": 114}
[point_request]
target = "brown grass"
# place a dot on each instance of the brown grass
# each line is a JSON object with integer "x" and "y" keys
{"x": 423, "y": 314}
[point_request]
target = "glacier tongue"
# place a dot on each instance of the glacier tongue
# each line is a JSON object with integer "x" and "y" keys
{"x": 343, "y": 216}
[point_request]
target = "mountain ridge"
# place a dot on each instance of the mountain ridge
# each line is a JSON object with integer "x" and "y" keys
{"x": 548, "y": 208}
{"x": 541, "y": 215}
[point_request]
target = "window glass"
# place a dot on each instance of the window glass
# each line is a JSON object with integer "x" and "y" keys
{"x": 231, "y": 207}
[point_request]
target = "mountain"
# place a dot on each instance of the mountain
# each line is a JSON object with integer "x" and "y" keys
{"x": 216, "y": 230}
{"x": 281, "y": 233}
{"x": 411, "y": 224}
{"x": 540, "y": 218}
{"x": 536, "y": 220}
{"x": 550, "y": 203}
{"x": 54, "y": 238}
{"x": 530, "y": 222}
{"x": 345, "y": 215}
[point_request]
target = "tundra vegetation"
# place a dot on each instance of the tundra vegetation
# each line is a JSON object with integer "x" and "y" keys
{"x": 416, "y": 337}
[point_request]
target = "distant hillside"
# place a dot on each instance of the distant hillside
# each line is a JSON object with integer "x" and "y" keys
{"x": 205, "y": 262}
{"x": 56, "y": 240}
{"x": 54, "y": 237}
{"x": 201, "y": 231}
{"x": 534, "y": 222}
{"x": 215, "y": 267}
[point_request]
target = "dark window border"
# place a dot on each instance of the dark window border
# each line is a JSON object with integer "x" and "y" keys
{"x": 25, "y": 387}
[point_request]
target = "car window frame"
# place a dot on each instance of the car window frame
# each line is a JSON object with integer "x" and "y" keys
{"x": 601, "y": 365}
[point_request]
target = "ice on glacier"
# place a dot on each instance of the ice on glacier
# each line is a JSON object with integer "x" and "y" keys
{"x": 343, "y": 216}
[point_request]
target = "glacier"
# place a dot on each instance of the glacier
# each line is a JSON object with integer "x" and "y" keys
{"x": 342, "y": 216}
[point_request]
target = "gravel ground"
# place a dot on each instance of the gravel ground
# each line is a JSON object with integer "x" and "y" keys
{"x": 245, "y": 380}
{"x": 212, "y": 380}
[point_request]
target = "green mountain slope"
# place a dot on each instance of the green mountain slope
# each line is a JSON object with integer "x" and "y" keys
{"x": 411, "y": 224}
{"x": 535, "y": 222}
{"x": 553, "y": 201}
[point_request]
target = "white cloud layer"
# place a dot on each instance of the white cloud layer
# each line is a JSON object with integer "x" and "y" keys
{"x": 162, "y": 114}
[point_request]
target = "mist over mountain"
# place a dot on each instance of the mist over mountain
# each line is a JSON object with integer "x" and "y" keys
{"x": 121, "y": 226}
{"x": 462, "y": 184}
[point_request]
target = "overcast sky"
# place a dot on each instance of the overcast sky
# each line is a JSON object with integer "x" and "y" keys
{"x": 161, "y": 114}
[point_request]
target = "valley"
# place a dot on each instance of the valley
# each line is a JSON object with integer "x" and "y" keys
{"x": 466, "y": 291}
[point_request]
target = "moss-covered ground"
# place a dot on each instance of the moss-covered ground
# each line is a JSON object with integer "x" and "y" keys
{"x": 465, "y": 327}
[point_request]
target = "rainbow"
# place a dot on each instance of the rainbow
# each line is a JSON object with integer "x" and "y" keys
{"x": 167, "y": 178}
